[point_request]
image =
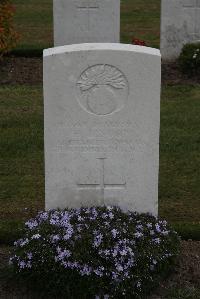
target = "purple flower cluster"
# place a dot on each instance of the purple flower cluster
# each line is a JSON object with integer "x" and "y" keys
{"x": 97, "y": 239}
{"x": 104, "y": 243}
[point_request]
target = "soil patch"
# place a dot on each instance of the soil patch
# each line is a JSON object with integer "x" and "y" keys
{"x": 171, "y": 74}
{"x": 23, "y": 70}
{"x": 186, "y": 274}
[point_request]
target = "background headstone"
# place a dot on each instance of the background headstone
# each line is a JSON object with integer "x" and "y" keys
{"x": 102, "y": 108}
{"x": 180, "y": 24}
{"x": 86, "y": 21}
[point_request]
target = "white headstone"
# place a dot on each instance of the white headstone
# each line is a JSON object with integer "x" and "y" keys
{"x": 102, "y": 108}
{"x": 180, "y": 24}
{"x": 86, "y": 21}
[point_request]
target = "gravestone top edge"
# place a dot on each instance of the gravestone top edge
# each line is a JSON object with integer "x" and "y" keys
{"x": 101, "y": 46}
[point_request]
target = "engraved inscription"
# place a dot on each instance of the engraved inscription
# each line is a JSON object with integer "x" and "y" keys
{"x": 102, "y": 186}
{"x": 102, "y": 89}
{"x": 99, "y": 145}
{"x": 88, "y": 7}
{"x": 192, "y": 12}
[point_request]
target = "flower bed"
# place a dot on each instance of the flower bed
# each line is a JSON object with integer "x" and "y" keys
{"x": 95, "y": 252}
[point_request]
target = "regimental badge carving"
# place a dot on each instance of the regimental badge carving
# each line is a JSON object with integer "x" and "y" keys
{"x": 102, "y": 89}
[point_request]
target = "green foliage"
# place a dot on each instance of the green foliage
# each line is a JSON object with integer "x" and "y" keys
{"x": 188, "y": 231}
{"x": 189, "y": 59}
{"x": 9, "y": 231}
{"x": 95, "y": 253}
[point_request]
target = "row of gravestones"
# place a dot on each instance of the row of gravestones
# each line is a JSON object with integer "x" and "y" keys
{"x": 101, "y": 110}
{"x": 80, "y": 21}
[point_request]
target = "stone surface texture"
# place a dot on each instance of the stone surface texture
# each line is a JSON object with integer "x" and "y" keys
{"x": 102, "y": 113}
{"x": 86, "y": 21}
{"x": 180, "y": 24}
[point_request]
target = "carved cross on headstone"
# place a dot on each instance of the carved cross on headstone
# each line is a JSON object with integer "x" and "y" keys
{"x": 88, "y": 7}
{"x": 193, "y": 6}
{"x": 102, "y": 186}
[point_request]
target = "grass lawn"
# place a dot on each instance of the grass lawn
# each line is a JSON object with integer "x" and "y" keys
{"x": 21, "y": 170}
{"x": 180, "y": 154}
{"x": 22, "y": 166}
{"x": 22, "y": 150}
{"x": 34, "y": 22}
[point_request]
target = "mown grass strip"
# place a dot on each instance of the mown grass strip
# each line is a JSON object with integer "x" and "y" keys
{"x": 34, "y": 21}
